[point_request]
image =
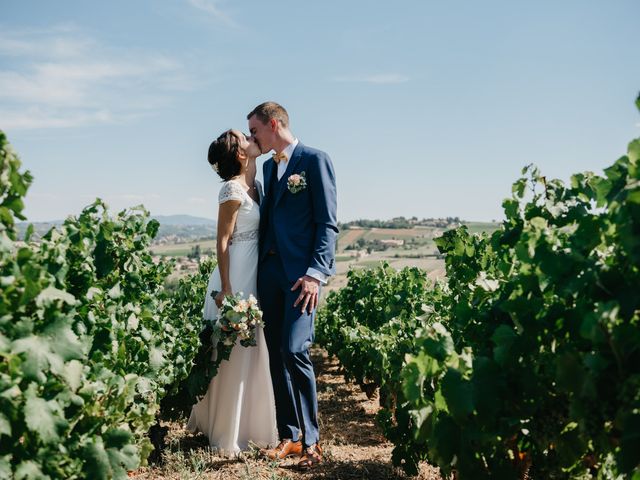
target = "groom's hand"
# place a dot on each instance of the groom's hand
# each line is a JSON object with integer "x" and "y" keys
{"x": 309, "y": 288}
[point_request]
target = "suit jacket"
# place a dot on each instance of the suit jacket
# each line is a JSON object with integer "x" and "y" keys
{"x": 305, "y": 223}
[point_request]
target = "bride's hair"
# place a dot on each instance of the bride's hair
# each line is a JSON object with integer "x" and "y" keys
{"x": 223, "y": 155}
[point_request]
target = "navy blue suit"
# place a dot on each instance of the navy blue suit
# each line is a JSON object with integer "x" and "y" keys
{"x": 301, "y": 228}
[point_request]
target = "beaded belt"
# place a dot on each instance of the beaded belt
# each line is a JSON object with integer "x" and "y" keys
{"x": 249, "y": 236}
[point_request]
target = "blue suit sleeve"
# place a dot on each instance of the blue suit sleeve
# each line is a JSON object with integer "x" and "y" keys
{"x": 322, "y": 186}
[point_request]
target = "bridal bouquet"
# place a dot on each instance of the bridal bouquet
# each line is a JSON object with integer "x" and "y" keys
{"x": 237, "y": 319}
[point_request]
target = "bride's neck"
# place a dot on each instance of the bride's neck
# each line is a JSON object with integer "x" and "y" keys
{"x": 248, "y": 173}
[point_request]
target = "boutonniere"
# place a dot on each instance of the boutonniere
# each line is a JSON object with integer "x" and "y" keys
{"x": 296, "y": 183}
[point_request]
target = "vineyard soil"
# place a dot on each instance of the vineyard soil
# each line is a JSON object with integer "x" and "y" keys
{"x": 354, "y": 445}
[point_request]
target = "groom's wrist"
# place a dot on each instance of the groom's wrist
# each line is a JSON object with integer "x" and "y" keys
{"x": 321, "y": 277}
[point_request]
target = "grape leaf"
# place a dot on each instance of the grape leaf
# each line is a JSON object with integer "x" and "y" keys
{"x": 5, "y": 425}
{"x": 43, "y": 417}
{"x": 29, "y": 470}
{"x": 51, "y": 294}
{"x": 96, "y": 460}
{"x": 458, "y": 394}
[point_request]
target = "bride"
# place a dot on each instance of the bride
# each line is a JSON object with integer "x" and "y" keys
{"x": 239, "y": 405}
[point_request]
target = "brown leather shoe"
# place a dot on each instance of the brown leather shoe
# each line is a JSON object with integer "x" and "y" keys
{"x": 285, "y": 448}
{"x": 311, "y": 457}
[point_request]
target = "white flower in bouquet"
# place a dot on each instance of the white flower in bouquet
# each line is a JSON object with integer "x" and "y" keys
{"x": 237, "y": 320}
{"x": 244, "y": 305}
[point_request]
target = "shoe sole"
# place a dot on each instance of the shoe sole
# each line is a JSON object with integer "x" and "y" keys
{"x": 279, "y": 459}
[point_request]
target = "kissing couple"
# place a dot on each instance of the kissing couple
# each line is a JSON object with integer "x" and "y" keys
{"x": 278, "y": 244}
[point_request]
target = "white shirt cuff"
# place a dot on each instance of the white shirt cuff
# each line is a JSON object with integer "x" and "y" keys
{"x": 312, "y": 272}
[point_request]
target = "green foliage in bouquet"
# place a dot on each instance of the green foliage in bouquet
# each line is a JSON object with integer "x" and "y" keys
{"x": 237, "y": 320}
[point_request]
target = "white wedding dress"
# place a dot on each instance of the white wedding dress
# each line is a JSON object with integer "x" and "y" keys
{"x": 239, "y": 406}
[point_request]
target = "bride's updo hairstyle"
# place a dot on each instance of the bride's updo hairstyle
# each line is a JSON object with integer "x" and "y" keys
{"x": 223, "y": 155}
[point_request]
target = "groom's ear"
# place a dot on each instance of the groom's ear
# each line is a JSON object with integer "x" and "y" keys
{"x": 273, "y": 123}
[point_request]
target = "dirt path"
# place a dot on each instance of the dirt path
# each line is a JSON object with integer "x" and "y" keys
{"x": 353, "y": 444}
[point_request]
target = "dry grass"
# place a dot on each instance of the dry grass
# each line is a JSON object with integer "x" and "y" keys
{"x": 349, "y": 237}
{"x": 353, "y": 444}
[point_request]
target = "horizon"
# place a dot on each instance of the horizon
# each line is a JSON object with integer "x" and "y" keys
{"x": 430, "y": 110}
{"x": 464, "y": 220}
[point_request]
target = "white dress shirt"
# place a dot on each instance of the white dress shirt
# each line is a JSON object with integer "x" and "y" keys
{"x": 288, "y": 151}
{"x": 282, "y": 167}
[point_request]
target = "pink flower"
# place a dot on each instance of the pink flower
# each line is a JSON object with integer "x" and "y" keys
{"x": 295, "y": 179}
{"x": 297, "y": 182}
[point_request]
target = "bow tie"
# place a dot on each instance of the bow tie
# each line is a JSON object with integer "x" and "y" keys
{"x": 279, "y": 157}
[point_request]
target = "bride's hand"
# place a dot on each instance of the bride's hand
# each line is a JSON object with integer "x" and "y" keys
{"x": 220, "y": 296}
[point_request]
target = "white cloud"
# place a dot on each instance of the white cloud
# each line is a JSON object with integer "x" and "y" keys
{"x": 61, "y": 78}
{"x": 73, "y": 84}
{"x": 197, "y": 200}
{"x": 34, "y": 117}
{"x": 380, "y": 78}
{"x": 212, "y": 7}
{"x": 10, "y": 45}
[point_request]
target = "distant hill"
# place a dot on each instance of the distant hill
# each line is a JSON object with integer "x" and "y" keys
{"x": 176, "y": 227}
{"x": 39, "y": 228}
{"x": 163, "y": 219}
{"x": 183, "y": 220}
{"x": 402, "y": 222}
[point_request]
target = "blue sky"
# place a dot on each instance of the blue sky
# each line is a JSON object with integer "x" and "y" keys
{"x": 426, "y": 108}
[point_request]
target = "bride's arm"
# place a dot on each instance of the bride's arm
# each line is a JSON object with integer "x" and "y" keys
{"x": 227, "y": 214}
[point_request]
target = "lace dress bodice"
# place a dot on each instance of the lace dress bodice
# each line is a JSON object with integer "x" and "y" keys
{"x": 248, "y": 219}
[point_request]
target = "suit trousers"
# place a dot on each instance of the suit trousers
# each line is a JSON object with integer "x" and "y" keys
{"x": 289, "y": 334}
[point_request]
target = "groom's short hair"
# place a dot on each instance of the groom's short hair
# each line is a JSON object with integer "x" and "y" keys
{"x": 268, "y": 110}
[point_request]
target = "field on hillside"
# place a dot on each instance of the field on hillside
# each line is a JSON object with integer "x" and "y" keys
{"x": 183, "y": 249}
{"x": 418, "y": 249}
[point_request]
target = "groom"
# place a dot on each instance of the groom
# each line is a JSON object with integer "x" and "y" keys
{"x": 298, "y": 231}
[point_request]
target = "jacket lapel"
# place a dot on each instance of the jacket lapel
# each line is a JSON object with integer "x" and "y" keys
{"x": 267, "y": 177}
{"x": 293, "y": 163}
